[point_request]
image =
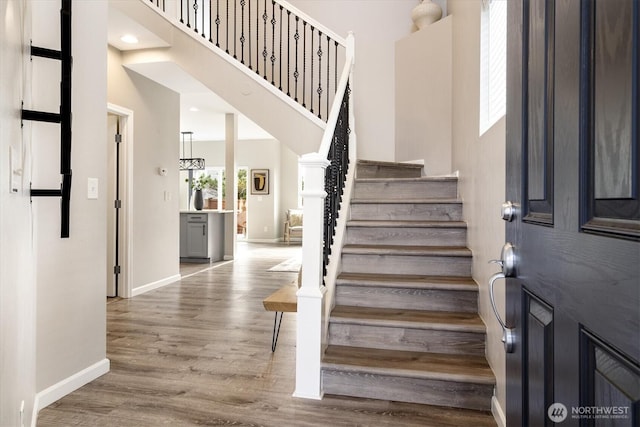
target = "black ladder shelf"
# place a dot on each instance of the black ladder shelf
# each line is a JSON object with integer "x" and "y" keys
{"x": 63, "y": 118}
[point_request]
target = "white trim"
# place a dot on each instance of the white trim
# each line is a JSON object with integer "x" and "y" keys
{"x": 155, "y": 285}
{"x": 127, "y": 198}
{"x": 497, "y": 412}
{"x": 70, "y": 384}
{"x": 276, "y": 240}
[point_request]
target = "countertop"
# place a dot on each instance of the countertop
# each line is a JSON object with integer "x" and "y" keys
{"x": 207, "y": 211}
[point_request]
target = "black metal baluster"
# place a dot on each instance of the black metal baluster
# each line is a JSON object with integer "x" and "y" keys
{"x": 319, "y": 74}
{"x": 288, "y": 53}
{"x": 296, "y": 74}
{"x": 217, "y": 23}
{"x": 227, "y": 28}
{"x": 242, "y": 39}
{"x": 312, "y": 86}
{"x": 273, "y": 42}
{"x": 195, "y": 15}
{"x": 335, "y": 69}
{"x": 235, "y": 29}
{"x": 280, "y": 52}
{"x": 304, "y": 63}
{"x": 182, "y": 7}
{"x": 188, "y": 16}
{"x": 258, "y": 37}
{"x": 328, "y": 88}
{"x": 210, "y": 23}
{"x": 249, "y": 38}
{"x": 203, "y": 26}
{"x": 265, "y": 16}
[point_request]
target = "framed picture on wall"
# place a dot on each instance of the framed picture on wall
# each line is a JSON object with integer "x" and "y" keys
{"x": 259, "y": 181}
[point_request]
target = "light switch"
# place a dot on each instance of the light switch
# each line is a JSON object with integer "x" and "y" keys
{"x": 92, "y": 188}
{"x": 16, "y": 169}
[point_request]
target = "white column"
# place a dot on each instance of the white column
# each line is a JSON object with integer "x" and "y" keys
{"x": 231, "y": 196}
{"x": 311, "y": 293}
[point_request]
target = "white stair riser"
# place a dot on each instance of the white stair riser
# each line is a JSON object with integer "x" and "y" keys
{"x": 407, "y": 236}
{"x": 406, "y": 339}
{"x": 407, "y": 298}
{"x": 418, "y": 265}
{"x": 403, "y": 190}
{"x": 414, "y": 390}
{"x": 407, "y": 211}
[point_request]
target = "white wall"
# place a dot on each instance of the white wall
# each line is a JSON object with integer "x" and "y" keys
{"x": 155, "y": 228}
{"x": 423, "y": 97}
{"x": 481, "y": 162}
{"x": 70, "y": 304}
{"x": 17, "y": 257}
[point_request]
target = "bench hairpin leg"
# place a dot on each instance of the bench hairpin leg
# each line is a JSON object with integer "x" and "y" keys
{"x": 276, "y": 332}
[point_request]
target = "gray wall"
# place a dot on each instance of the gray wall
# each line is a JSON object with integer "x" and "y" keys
{"x": 155, "y": 227}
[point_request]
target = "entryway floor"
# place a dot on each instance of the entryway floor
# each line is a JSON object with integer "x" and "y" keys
{"x": 197, "y": 352}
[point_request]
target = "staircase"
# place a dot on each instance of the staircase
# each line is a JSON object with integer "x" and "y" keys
{"x": 405, "y": 326}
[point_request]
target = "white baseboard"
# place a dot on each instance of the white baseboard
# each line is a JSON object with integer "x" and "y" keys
{"x": 59, "y": 390}
{"x": 498, "y": 412}
{"x": 263, "y": 240}
{"x": 155, "y": 285}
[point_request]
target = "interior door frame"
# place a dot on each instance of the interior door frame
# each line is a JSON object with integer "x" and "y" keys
{"x": 126, "y": 192}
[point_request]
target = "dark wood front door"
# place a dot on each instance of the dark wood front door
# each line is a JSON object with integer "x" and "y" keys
{"x": 573, "y": 171}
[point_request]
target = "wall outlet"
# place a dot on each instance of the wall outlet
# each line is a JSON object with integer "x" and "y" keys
{"x": 266, "y": 229}
{"x": 167, "y": 196}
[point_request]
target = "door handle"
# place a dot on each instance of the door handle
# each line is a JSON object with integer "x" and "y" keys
{"x": 203, "y": 229}
{"x": 507, "y": 263}
{"x": 508, "y": 334}
{"x": 509, "y": 211}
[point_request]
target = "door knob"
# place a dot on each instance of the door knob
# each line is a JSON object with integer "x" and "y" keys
{"x": 508, "y": 260}
{"x": 507, "y": 263}
{"x": 509, "y": 211}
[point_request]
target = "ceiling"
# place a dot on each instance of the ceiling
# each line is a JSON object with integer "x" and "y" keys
{"x": 201, "y": 111}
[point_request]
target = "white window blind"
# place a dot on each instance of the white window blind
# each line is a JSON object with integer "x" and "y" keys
{"x": 493, "y": 63}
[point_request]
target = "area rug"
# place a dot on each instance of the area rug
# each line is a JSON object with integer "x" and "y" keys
{"x": 291, "y": 265}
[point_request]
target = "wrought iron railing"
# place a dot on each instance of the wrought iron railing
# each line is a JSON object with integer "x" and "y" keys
{"x": 335, "y": 176}
{"x": 276, "y": 41}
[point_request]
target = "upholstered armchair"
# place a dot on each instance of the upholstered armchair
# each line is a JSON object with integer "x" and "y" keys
{"x": 293, "y": 224}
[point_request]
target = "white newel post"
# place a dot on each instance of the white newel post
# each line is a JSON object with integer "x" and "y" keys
{"x": 311, "y": 293}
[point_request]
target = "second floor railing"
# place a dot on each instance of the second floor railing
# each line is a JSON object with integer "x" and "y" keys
{"x": 296, "y": 55}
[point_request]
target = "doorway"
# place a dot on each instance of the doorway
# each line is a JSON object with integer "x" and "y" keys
{"x": 118, "y": 192}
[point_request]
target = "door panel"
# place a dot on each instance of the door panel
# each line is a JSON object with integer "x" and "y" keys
{"x": 578, "y": 270}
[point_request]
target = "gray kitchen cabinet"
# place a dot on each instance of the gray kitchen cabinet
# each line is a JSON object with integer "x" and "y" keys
{"x": 201, "y": 236}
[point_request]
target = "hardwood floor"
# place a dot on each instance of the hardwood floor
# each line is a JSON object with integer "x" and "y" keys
{"x": 198, "y": 352}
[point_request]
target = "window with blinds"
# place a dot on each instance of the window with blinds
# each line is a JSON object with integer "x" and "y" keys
{"x": 493, "y": 62}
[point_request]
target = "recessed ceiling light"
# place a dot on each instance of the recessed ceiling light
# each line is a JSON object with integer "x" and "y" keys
{"x": 194, "y": 109}
{"x": 129, "y": 39}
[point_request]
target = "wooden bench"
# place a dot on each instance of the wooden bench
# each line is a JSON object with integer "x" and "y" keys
{"x": 281, "y": 301}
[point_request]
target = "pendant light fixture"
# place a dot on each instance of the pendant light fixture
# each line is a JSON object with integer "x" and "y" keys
{"x": 190, "y": 163}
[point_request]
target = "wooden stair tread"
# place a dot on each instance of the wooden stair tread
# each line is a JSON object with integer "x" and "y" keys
{"x": 444, "y": 367}
{"x": 450, "y": 251}
{"x": 405, "y": 281}
{"x": 406, "y": 224}
{"x": 415, "y": 319}
{"x": 407, "y": 201}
